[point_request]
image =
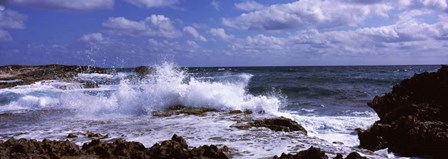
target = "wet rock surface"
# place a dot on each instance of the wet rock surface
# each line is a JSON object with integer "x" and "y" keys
{"x": 275, "y": 124}
{"x": 23, "y": 75}
{"x": 279, "y": 124}
{"x": 177, "y": 147}
{"x": 413, "y": 117}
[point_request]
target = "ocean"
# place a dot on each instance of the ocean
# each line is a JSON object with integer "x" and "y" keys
{"x": 329, "y": 101}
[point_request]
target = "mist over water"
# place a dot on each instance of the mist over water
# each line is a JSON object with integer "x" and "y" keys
{"x": 330, "y": 102}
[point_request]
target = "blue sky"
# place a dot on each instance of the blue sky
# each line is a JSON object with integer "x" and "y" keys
{"x": 124, "y": 33}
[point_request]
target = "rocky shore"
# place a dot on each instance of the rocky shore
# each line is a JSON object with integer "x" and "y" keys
{"x": 14, "y": 75}
{"x": 413, "y": 117}
{"x": 177, "y": 147}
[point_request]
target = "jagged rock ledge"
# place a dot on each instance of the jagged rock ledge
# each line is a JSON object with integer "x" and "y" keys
{"x": 413, "y": 117}
{"x": 14, "y": 75}
{"x": 177, "y": 147}
{"x": 316, "y": 153}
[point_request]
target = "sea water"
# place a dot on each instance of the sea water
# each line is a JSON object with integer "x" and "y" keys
{"x": 330, "y": 102}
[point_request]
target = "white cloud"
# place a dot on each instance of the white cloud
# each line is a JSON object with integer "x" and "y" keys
{"x": 63, "y": 4}
{"x": 92, "y": 37}
{"x": 411, "y": 36}
{"x": 249, "y": 5}
{"x": 153, "y": 3}
{"x": 220, "y": 33}
{"x": 152, "y": 26}
{"x": 194, "y": 33}
{"x": 215, "y": 4}
{"x": 307, "y": 14}
{"x": 10, "y": 19}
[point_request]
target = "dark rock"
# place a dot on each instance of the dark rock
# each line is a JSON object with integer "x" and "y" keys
{"x": 355, "y": 155}
{"x": 71, "y": 135}
{"x": 413, "y": 117}
{"x": 142, "y": 70}
{"x": 338, "y": 156}
{"x": 235, "y": 112}
{"x": 177, "y": 147}
{"x": 90, "y": 84}
{"x": 23, "y": 148}
{"x": 118, "y": 149}
{"x": 279, "y": 124}
{"x": 311, "y": 153}
{"x": 95, "y": 135}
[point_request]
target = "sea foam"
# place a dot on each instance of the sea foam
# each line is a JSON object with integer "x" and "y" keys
{"x": 157, "y": 91}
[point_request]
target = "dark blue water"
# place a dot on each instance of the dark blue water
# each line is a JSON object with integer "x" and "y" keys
{"x": 329, "y": 90}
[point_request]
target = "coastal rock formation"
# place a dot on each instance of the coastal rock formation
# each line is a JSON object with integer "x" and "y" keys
{"x": 177, "y": 147}
{"x": 311, "y": 153}
{"x": 23, "y": 148}
{"x": 279, "y": 124}
{"x": 14, "y": 75}
{"x": 275, "y": 124}
{"x": 413, "y": 117}
{"x": 316, "y": 153}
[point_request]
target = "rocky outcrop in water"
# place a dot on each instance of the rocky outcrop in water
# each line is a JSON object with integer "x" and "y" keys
{"x": 413, "y": 117}
{"x": 275, "y": 124}
{"x": 177, "y": 147}
{"x": 23, "y": 75}
{"x": 279, "y": 124}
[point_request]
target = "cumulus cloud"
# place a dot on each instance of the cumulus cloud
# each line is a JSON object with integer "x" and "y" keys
{"x": 153, "y": 3}
{"x": 194, "y": 33}
{"x": 306, "y": 14}
{"x": 399, "y": 37}
{"x": 220, "y": 33}
{"x": 92, "y": 37}
{"x": 249, "y": 6}
{"x": 152, "y": 26}
{"x": 10, "y": 19}
{"x": 61, "y": 4}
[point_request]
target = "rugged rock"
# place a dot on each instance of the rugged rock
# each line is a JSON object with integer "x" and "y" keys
{"x": 355, "y": 155}
{"x": 413, "y": 117}
{"x": 23, "y": 148}
{"x": 177, "y": 147}
{"x": 316, "y": 153}
{"x": 23, "y": 75}
{"x": 279, "y": 124}
{"x": 311, "y": 153}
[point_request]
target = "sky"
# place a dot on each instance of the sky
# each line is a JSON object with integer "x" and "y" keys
{"x": 127, "y": 33}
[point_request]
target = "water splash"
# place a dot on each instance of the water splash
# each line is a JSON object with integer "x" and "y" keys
{"x": 167, "y": 86}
